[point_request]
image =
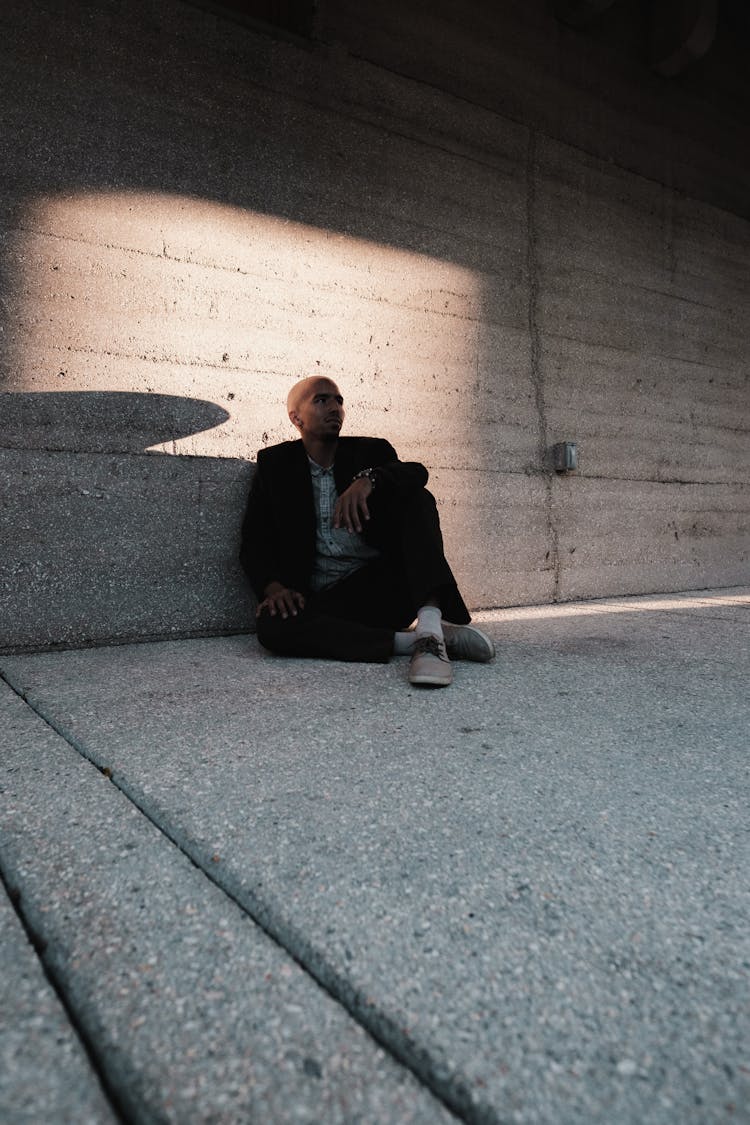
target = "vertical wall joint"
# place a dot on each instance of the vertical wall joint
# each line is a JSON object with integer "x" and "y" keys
{"x": 552, "y": 560}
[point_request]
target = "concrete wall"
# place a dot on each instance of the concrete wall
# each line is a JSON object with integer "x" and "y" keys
{"x": 522, "y": 239}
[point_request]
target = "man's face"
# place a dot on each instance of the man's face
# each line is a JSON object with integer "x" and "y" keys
{"x": 319, "y": 412}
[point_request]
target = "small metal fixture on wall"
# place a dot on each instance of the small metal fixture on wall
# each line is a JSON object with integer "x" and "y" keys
{"x": 564, "y": 456}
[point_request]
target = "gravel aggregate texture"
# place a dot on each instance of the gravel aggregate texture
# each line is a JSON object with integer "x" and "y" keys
{"x": 532, "y": 885}
{"x": 45, "y": 1074}
{"x": 193, "y": 1013}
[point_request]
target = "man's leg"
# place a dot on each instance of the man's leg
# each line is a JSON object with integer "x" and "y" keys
{"x": 354, "y": 620}
{"x": 408, "y": 532}
{"x": 413, "y": 540}
{"x": 363, "y": 617}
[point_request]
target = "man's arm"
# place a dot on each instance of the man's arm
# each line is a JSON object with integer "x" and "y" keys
{"x": 396, "y": 477}
{"x": 352, "y": 510}
{"x": 280, "y": 599}
{"x": 392, "y": 478}
{"x": 256, "y": 554}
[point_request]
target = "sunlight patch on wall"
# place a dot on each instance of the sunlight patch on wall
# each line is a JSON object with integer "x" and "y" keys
{"x": 166, "y": 295}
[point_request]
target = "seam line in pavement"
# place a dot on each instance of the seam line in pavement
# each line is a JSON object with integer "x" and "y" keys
{"x": 454, "y": 1094}
{"x": 88, "y": 1047}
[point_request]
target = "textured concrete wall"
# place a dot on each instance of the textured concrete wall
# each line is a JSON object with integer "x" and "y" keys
{"x": 193, "y": 215}
{"x": 591, "y": 87}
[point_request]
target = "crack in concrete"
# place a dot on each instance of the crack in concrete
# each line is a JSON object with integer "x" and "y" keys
{"x": 451, "y": 1091}
{"x": 537, "y": 369}
{"x": 86, "y": 1042}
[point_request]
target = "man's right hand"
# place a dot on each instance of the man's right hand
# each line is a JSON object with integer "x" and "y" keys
{"x": 280, "y": 599}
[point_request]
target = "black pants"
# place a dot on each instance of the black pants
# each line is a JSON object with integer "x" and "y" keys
{"x": 355, "y": 619}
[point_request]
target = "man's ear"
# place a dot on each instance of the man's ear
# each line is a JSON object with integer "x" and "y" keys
{"x": 295, "y": 419}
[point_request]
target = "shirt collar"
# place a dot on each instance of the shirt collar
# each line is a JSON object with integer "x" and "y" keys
{"x": 318, "y": 470}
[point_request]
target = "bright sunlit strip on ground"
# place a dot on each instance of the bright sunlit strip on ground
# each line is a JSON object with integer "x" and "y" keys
{"x": 643, "y": 604}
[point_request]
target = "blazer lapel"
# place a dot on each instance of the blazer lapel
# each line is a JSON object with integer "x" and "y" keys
{"x": 299, "y": 489}
{"x": 347, "y": 463}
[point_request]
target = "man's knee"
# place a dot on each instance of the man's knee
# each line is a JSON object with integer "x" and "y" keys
{"x": 426, "y": 503}
{"x": 418, "y": 499}
{"x": 276, "y": 633}
{"x": 416, "y": 510}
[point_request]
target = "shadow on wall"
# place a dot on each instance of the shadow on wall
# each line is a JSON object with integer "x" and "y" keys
{"x": 152, "y": 292}
{"x": 193, "y": 210}
{"x": 106, "y": 541}
{"x": 183, "y": 225}
{"x": 101, "y": 421}
{"x": 139, "y": 324}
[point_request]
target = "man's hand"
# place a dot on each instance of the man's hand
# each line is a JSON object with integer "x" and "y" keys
{"x": 280, "y": 599}
{"x": 351, "y": 509}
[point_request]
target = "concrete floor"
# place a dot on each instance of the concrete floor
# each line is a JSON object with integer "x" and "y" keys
{"x": 246, "y": 889}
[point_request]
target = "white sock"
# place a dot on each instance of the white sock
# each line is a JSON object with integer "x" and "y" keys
{"x": 403, "y": 643}
{"x": 429, "y": 620}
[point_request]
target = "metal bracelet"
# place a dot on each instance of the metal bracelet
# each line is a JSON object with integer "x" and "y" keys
{"x": 368, "y": 473}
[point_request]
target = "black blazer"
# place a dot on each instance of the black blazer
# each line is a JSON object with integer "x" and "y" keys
{"x": 278, "y": 532}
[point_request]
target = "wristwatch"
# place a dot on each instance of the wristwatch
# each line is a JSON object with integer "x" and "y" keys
{"x": 369, "y": 474}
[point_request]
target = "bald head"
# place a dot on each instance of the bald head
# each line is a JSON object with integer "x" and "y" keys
{"x": 316, "y": 407}
{"x": 306, "y": 389}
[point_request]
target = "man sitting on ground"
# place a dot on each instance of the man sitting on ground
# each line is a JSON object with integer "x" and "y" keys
{"x": 341, "y": 542}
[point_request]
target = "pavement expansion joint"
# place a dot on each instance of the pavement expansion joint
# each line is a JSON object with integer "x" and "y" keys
{"x": 525, "y": 897}
{"x": 451, "y": 1092}
{"x": 39, "y": 945}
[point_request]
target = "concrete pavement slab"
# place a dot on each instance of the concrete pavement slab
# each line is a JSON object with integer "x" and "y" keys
{"x": 533, "y": 885}
{"x": 45, "y": 1074}
{"x": 192, "y": 1013}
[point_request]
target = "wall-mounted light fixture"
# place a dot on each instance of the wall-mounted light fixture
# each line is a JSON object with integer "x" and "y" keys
{"x": 564, "y": 456}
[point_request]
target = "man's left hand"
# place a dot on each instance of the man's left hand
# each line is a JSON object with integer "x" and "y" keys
{"x": 351, "y": 509}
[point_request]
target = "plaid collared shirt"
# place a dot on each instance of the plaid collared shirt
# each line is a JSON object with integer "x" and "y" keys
{"x": 338, "y": 552}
